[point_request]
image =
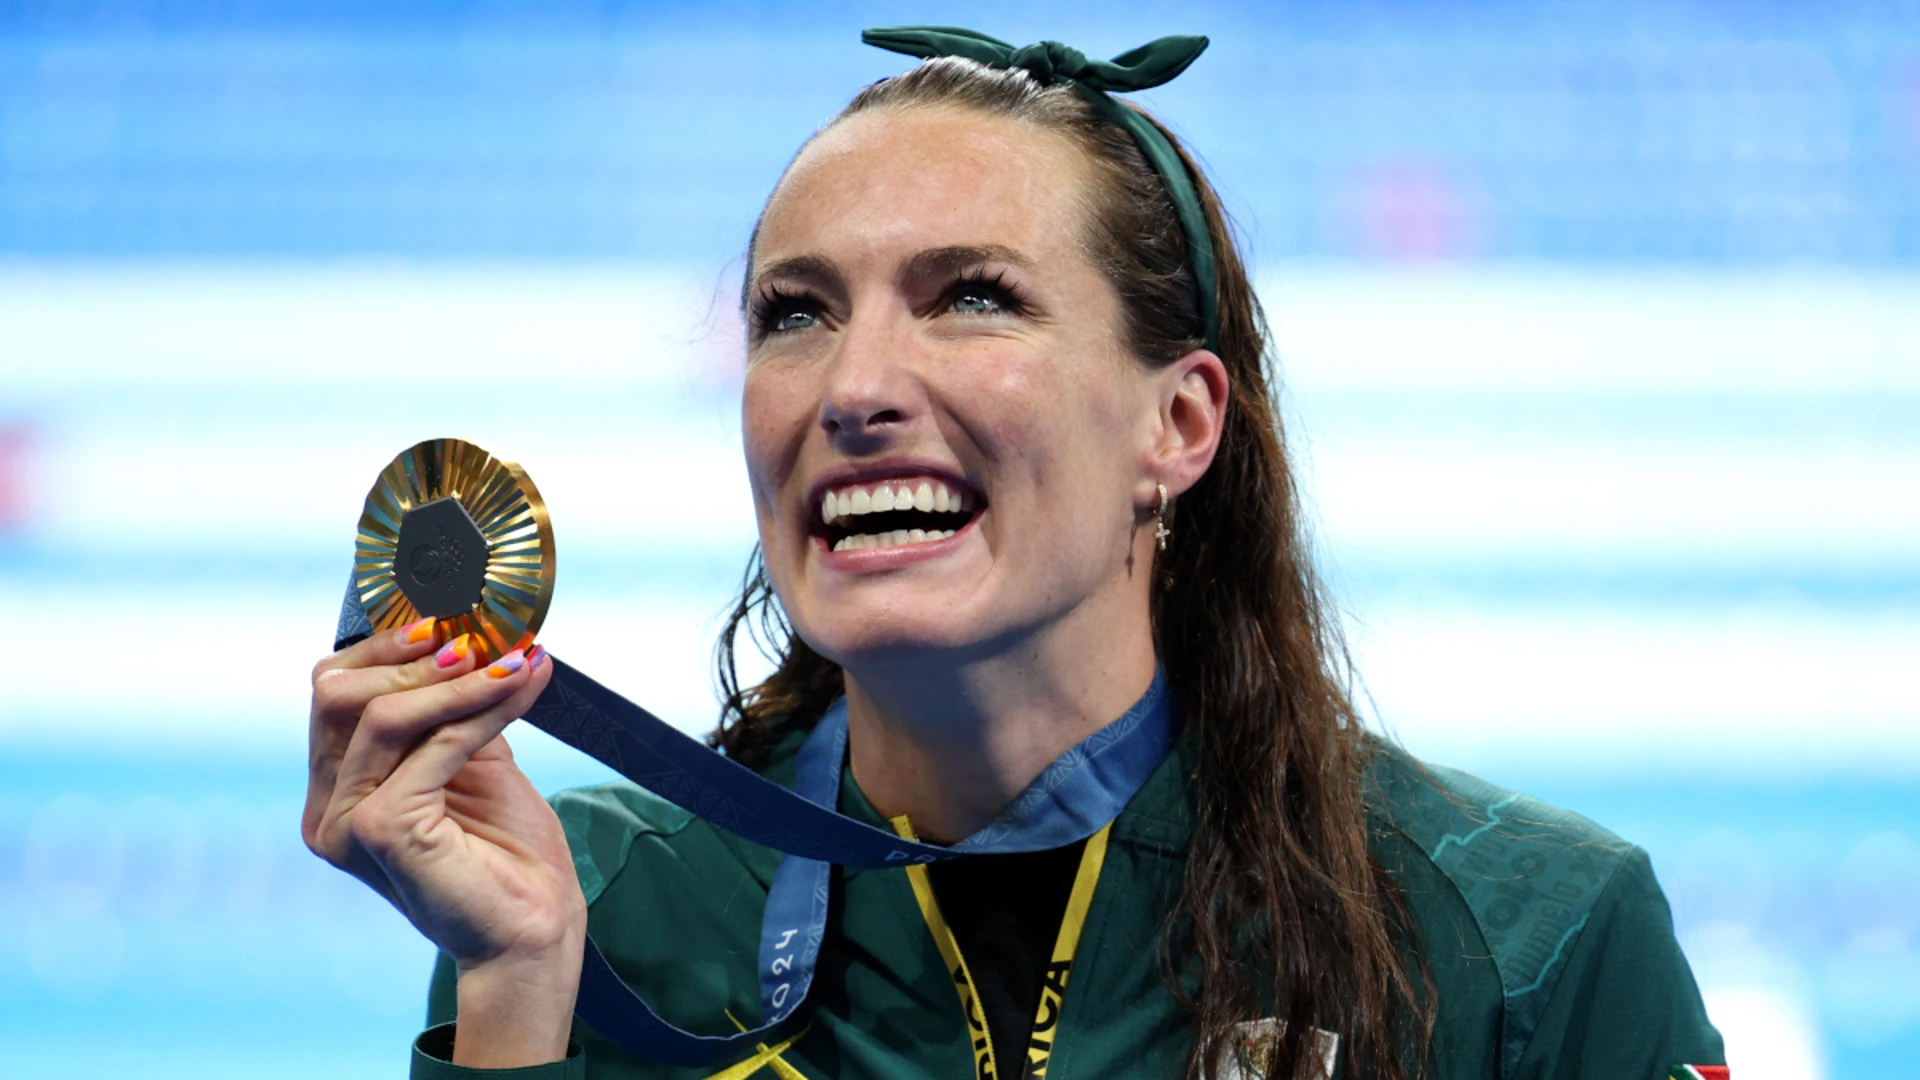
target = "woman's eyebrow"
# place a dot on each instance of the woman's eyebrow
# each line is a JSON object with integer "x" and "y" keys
{"x": 816, "y": 270}
{"x": 943, "y": 262}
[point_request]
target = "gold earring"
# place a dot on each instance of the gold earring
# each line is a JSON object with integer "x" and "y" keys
{"x": 1160, "y": 530}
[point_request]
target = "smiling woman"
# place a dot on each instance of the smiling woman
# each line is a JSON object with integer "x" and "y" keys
{"x": 1022, "y": 499}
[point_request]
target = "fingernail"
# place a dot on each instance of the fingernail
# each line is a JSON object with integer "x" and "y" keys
{"x": 507, "y": 665}
{"x": 452, "y": 652}
{"x": 416, "y": 632}
{"x": 537, "y": 657}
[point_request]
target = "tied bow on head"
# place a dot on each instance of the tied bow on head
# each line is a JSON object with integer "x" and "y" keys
{"x": 1143, "y": 68}
{"x": 1052, "y": 63}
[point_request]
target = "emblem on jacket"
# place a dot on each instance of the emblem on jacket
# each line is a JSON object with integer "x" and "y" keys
{"x": 1249, "y": 1056}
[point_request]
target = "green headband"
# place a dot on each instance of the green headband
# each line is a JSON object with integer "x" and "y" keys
{"x": 1051, "y": 63}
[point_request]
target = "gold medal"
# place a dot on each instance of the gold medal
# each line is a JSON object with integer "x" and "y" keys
{"x": 451, "y": 532}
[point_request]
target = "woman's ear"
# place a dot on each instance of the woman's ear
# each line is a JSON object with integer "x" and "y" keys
{"x": 1193, "y": 393}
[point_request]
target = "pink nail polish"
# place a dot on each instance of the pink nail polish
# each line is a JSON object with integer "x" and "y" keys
{"x": 537, "y": 657}
{"x": 452, "y": 652}
{"x": 416, "y": 632}
{"x": 507, "y": 665}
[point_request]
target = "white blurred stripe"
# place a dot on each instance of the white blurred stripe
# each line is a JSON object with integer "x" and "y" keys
{"x": 1763, "y": 686}
{"x": 1542, "y": 327}
{"x": 117, "y": 672}
{"x": 1661, "y": 496}
{"x": 1771, "y": 1032}
{"x": 374, "y": 326}
{"x": 267, "y": 481}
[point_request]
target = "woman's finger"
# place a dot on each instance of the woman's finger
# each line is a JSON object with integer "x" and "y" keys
{"x": 392, "y": 724}
{"x": 433, "y": 764}
{"x": 382, "y": 822}
{"x": 381, "y": 648}
{"x": 340, "y": 694}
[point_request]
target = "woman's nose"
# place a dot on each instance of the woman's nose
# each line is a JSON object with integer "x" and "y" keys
{"x": 869, "y": 393}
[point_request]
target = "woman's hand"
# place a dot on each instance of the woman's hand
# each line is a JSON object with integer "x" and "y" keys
{"x": 412, "y": 789}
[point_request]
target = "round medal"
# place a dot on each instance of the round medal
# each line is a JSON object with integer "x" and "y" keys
{"x": 453, "y": 533}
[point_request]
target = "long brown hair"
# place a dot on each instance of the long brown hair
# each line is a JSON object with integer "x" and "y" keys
{"x": 1284, "y": 911}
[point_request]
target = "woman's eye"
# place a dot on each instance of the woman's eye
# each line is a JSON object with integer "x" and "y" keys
{"x": 781, "y": 314}
{"x": 793, "y": 319}
{"x": 975, "y": 300}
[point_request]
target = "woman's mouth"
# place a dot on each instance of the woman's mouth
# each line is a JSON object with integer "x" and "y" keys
{"x": 893, "y": 512}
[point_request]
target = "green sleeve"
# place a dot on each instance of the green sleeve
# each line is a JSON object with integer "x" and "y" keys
{"x": 1625, "y": 1006}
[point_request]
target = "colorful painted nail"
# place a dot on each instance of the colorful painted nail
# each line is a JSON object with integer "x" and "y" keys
{"x": 452, "y": 652}
{"x": 507, "y": 665}
{"x": 537, "y": 657}
{"x": 416, "y": 632}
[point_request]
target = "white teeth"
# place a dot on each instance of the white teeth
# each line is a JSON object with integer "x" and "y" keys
{"x": 896, "y": 538}
{"x": 925, "y": 496}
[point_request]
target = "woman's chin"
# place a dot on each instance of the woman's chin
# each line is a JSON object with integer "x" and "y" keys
{"x": 857, "y": 639}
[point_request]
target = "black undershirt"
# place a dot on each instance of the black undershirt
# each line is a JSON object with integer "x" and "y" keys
{"x": 1005, "y": 913}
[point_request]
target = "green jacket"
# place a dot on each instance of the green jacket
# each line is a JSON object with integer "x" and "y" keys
{"x": 1548, "y": 940}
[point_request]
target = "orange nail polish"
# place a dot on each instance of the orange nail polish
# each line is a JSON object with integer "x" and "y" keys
{"x": 416, "y": 632}
{"x": 507, "y": 665}
{"x": 453, "y": 652}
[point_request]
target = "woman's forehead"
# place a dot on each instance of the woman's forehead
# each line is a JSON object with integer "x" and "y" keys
{"x": 892, "y": 181}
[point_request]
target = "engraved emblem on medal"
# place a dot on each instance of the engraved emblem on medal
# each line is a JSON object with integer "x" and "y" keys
{"x": 453, "y": 533}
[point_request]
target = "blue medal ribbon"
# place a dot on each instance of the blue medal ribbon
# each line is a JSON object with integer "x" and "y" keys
{"x": 1080, "y": 792}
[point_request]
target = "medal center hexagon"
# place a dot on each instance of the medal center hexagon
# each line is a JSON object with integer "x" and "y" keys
{"x": 440, "y": 560}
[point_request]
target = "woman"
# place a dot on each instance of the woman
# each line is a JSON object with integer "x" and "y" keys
{"x": 1009, "y": 435}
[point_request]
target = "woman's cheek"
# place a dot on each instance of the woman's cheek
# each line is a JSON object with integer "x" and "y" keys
{"x": 1021, "y": 377}
{"x": 774, "y": 419}
{"x": 1006, "y": 405}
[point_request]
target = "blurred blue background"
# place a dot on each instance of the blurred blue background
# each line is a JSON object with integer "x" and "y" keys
{"x": 1601, "y": 333}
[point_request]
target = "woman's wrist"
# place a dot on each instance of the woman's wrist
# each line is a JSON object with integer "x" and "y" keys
{"x": 517, "y": 1010}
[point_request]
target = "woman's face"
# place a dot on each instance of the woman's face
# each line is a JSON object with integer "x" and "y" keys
{"x": 946, "y": 437}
